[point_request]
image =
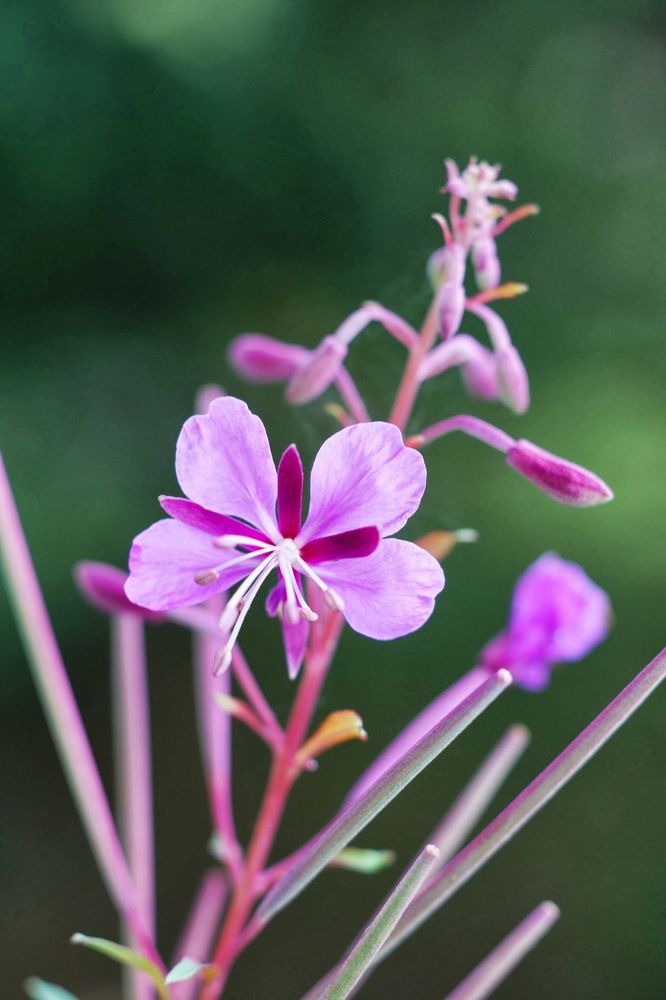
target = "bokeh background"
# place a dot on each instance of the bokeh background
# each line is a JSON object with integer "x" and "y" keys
{"x": 177, "y": 171}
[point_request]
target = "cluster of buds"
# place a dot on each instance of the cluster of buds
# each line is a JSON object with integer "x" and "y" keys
{"x": 496, "y": 373}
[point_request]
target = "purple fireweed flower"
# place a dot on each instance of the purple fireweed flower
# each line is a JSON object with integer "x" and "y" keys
{"x": 557, "y": 615}
{"x": 242, "y": 521}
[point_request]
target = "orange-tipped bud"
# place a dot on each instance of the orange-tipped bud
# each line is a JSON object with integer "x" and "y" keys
{"x": 441, "y": 543}
{"x": 509, "y": 290}
{"x": 338, "y": 727}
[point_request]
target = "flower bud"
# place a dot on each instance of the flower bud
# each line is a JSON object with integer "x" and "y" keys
{"x": 451, "y": 308}
{"x": 512, "y": 381}
{"x": 562, "y": 480}
{"x": 486, "y": 263}
{"x": 103, "y": 586}
{"x": 258, "y": 358}
{"x": 480, "y": 374}
{"x": 318, "y": 372}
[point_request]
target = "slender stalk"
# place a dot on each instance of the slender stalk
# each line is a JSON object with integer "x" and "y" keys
{"x": 197, "y": 937}
{"x": 215, "y": 739}
{"x": 65, "y": 722}
{"x": 348, "y": 823}
{"x": 254, "y": 694}
{"x": 478, "y": 793}
{"x": 134, "y": 774}
{"x": 473, "y": 426}
{"x": 502, "y": 960}
{"x": 350, "y": 396}
{"x": 281, "y": 778}
{"x": 409, "y": 384}
{"x": 529, "y": 802}
{"x": 361, "y": 954}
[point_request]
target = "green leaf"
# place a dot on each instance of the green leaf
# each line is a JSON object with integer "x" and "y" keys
{"x": 351, "y": 820}
{"x": 360, "y": 956}
{"x": 125, "y": 956}
{"x": 37, "y": 989}
{"x": 188, "y": 968}
{"x": 365, "y": 861}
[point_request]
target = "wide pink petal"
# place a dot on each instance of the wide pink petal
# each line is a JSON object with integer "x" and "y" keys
{"x": 390, "y": 593}
{"x": 364, "y": 475}
{"x": 224, "y": 463}
{"x": 164, "y": 560}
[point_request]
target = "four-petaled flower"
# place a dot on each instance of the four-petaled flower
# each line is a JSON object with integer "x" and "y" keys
{"x": 557, "y": 615}
{"x": 242, "y": 521}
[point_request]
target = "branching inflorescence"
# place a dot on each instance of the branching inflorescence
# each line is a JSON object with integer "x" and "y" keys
{"x": 239, "y": 526}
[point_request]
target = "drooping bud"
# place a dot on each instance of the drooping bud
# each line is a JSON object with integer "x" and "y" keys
{"x": 258, "y": 358}
{"x": 487, "y": 270}
{"x": 512, "y": 380}
{"x": 103, "y": 586}
{"x": 441, "y": 543}
{"x": 562, "y": 480}
{"x": 338, "y": 727}
{"x": 480, "y": 374}
{"x": 451, "y": 308}
{"x": 318, "y": 372}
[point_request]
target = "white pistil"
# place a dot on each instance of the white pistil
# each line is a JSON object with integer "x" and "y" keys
{"x": 223, "y": 658}
{"x": 207, "y": 576}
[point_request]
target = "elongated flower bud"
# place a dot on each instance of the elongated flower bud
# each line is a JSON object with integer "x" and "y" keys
{"x": 487, "y": 270}
{"x": 562, "y": 480}
{"x": 319, "y": 371}
{"x": 258, "y": 358}
{"x": 512, "y": 380}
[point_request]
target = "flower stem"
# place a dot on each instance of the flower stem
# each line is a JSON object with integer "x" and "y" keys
{"x": 65, "y": 722}
{"x": 409, "y": 384}
{"x": 282, "y": 776}
{"x": 134, "y": 773}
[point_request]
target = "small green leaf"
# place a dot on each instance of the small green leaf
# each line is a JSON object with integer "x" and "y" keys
{"x": 37, "y": 989}
{"x": 362, "y": 860}
{"x": 188, "y": 968}
{"x": 125, "y": 956}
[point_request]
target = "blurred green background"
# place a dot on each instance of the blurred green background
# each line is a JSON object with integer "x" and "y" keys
{"x": 177, "y": 171}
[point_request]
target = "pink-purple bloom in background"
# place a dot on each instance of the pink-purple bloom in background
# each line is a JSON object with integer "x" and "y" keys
{"x": 558, "y": 615}
{"x": 242, "y": 521}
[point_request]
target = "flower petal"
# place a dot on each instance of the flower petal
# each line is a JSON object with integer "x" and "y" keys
{"x": 347, "y": 545}
{"x": 224, "y": 463}
{"x": 364, "y": 475}
{"x": 104, "y": 587}
{"x": 207, "y": 520}
{"x": 390, "y": 593}
{"x": 164, "y": 560}
{"x": 290, "y": 492}
{"x": 295, "y": 639}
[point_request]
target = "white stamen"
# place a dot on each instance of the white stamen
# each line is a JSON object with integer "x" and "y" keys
{"x": 206, "y": 576}
{"x": 266, "y": 567}
{"x": 334, "y": 600}
{"x": 233, "y": 604}
{"x": 308, "y": 570}
{"x": 230, "y": 542}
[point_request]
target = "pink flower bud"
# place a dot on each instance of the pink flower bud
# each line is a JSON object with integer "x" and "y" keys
{"x": 103, "y": 586}
{"x": 562, "y": 480}
{"x": 258, "y": 358}
{"x": 480, "y": 375}
{"x": 451, "y": 308}
{"x": 318, "y": 373}
{"x": 512, "y": 381}
{"x": 486, "y": 263}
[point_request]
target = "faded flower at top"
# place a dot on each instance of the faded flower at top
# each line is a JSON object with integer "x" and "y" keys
{"x": 557, "y": 615}
{"x": 242, "y": 521}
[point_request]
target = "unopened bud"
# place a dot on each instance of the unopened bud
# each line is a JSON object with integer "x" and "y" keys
{"x": 318, "y": 373}
{"x": 451, "y": 308}
{"x": 487, "y": 270}
{"x": 258, "y": 358}
{"x": 338, "y": 727}
{"x": 103, "y": 586}
{"x": 512, "y": 381}
{"x": 562, "y": 480}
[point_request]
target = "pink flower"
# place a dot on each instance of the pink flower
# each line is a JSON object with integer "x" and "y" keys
{"x": 242, "y": 521}
{"x": 557, "y": 615}
{"x": 478, "y": 180}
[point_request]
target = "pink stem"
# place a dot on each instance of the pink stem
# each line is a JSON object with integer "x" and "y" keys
{"x": 197, "y": 938}
{"x": 473, "y": 426}
{"x": 65, "y": 721}
{"x": 254, "y": 694}
{"x": 215, "y": 738}
{"x": 351, "y": 397}
{"x": 134, "y": 773}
